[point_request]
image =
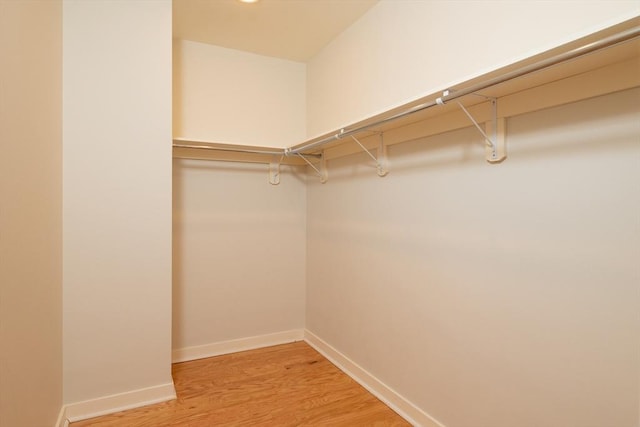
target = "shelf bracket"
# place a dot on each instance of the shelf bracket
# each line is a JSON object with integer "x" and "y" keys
{"x": 495, "y": 145}
{"x": 274, "y": 170}
{"x": 381, "y": 160}
{"x": 497, "y": 128}
{"x": 322, "y": 173}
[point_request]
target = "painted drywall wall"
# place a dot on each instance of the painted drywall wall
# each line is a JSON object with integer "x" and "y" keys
{"x": 117, "y": 197}
{"x": 239, "y": 251}
{"x": 30, "y": 212}
{"x": 400, "y": 51}
{"x": 224, "y": 95}
{"x": 491, "y": 295}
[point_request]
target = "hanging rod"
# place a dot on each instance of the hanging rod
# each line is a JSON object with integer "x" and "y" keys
{"x": 274, "y": 151}
{"x": 447, "y": 96}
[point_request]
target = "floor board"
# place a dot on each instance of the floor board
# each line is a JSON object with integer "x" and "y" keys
{"x": 285, "y": 385}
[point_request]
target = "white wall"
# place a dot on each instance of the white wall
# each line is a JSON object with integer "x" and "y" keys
{"x": 402, "y": 50}
{"x": 117, "y": 197}
{"x": 239, "y": 252}
{"x": 224, "y": 95}
{"x": 491, "y": 295}
{"x": 30, "y": 212}
{"x": 239, "y": 258}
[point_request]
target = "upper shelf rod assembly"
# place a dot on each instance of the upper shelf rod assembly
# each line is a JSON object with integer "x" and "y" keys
{"x": 606, "y": 42}
{"x": 447, "y": 96}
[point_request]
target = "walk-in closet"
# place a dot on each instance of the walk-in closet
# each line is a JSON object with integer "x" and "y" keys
{"x": 419, "y": 212}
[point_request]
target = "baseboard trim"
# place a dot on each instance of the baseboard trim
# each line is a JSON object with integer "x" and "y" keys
{"x": 119, "y": 402}
{"x": 62, "y": 420}
{"x": 386, "y": 394}
{"x": 233, "y": 346}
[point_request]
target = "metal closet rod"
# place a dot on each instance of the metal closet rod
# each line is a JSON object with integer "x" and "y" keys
{"x": 606, "y": 42}
{"x": 447, "y": 96}
{"x": 274, "y": 151}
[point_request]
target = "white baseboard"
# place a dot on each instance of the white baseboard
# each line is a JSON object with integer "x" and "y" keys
{"x": 390, "y": 397}
{"x": 62, "y": 420}
{"x": 118, "y": 402}
{"x": 236, "y": 345}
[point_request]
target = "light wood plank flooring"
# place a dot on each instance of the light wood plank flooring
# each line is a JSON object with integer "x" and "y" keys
{"x": 284, "y": 385}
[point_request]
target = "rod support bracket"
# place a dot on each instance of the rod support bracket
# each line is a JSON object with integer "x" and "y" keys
{"x": 383, "y": 159}
{"x": 322, "y": 171}
{"x": 274, "y": 170}
{"x": 493, "y": 133}
{"x": 495, "y": 128}
{"x": 498, "y": 151}
{"x": 382, "y": 163}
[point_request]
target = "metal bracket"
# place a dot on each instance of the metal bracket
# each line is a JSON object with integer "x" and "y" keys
{"x": 382, "y": 162}
{"x": 274, "y": 170}
{"x": 495, "y": 147}
{"x": 322, "y": 173}
{"x": 383, "y": 159}
{"x": 497, "y": 128}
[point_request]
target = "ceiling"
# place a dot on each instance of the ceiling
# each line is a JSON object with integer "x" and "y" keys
{"x": 290, "y": 29}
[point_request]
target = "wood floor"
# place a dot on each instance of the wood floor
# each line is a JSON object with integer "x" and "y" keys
{"x": 285, "y": 385}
